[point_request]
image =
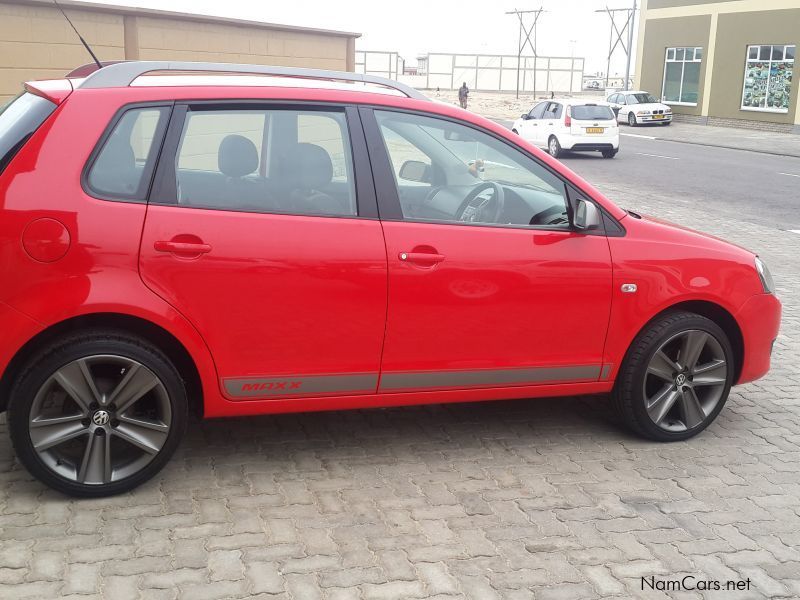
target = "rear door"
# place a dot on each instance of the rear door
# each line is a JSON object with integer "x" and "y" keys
{"x": 262, "y": 230}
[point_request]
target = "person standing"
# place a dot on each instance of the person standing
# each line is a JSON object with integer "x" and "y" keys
{"x": 463, "y": 92}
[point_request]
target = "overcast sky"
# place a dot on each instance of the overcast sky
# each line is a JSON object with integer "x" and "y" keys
{"x": 413, "y": 27}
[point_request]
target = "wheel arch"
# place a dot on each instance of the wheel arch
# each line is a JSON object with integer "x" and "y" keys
{"x": 175, "y": 350}
{"x": 719, "y": 315}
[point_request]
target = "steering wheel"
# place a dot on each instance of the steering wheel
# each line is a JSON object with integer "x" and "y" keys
{"x": 474, "y": 208}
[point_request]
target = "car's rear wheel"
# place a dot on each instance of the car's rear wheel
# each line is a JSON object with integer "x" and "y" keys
{"x": 631, "y": 119}
{"x": 97, "y": 414}
{"x": 675, "y": 378}
{"x": 554, "y": 147}
{"x": 610, "y": 153}
{"x": 515, "y": 131}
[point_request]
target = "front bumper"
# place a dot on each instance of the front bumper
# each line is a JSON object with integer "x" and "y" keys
{"x": 759, "y": 319}
{"x": 653, "y": 119}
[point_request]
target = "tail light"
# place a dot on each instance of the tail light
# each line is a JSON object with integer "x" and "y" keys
{"x": 568, "y": 118}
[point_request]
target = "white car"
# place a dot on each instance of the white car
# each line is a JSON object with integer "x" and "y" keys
{"x": 636, "y": 107}
{"x": 575, "y": 125}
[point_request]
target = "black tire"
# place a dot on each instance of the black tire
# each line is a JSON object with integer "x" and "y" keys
{"x": 609, "y": 153}
{"x": 632, "y": 119}
{"x": 554, "y": 147}
{"x": 97, "y": 345}
{"x": 628, "y": 395}
{"x": 515, "y": 131}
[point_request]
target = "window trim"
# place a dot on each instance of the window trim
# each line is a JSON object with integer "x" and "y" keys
{"x": 149, "y": 173}
{"x": 682, "y": 62}
{"x": 389, "y": 200}
{"x": 165, "y": 192}
{"x": 770, "y": 60}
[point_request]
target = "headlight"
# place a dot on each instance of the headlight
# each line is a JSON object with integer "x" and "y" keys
{"x": 765, "y": 276}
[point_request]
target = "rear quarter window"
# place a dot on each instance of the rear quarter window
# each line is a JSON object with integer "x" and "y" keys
{"x": 123, "y": 167}
{"x": 585, "y": 112}
{"x": 19, "y": 119}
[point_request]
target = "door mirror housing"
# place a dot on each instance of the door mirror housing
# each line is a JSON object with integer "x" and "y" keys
{"x": 525, "y": 116}
{"x": 587, "y": 216}
{"x": 416, "y": 170}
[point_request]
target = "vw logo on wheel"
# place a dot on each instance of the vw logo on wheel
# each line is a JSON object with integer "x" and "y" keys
{"x": 679, "y": 380}
{"x": 100, "y": 418}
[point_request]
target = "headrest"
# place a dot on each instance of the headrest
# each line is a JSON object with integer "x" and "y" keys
{"x": 238, "y": 156}
{"x": 309, "y": 166}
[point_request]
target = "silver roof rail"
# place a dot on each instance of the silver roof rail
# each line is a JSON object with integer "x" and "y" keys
{"x": 122, "y": 74}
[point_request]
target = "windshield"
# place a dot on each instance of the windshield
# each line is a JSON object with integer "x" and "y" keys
{"x": 591, "y": 112}
{"x": 18, "y": 120}
{"x": 642, "y": 99}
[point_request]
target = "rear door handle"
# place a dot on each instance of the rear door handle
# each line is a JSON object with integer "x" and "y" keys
{"x": 423, "y": 258}
{"x": 186, "y": 248}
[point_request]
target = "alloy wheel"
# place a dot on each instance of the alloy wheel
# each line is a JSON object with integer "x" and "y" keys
{"x": 553, "y": 146}
{"x": 100, "y": 419}
{"x": 685, "y": 380}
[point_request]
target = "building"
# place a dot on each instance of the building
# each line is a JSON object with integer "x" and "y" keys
{"x": 723, "y": 62}
{"x": 36, "y": 42}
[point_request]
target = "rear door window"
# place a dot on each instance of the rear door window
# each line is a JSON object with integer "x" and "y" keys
{"x": 591, "y": 112}
{"x": 266, "y": 160}
{"x": 19, "y": 119}
{"x": 123, "y": 167}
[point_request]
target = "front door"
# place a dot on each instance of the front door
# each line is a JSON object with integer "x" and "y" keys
{"x": 488, "y": 284}
{"x": 254, "y": 233}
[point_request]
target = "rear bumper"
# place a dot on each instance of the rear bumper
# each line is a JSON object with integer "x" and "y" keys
{"x": 590, "y": 142}
{"x": 17, "y": 329}
{"x": 759, "y": 319}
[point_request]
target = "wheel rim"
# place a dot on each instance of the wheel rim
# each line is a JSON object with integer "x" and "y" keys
{"x": 685, "y": 380}
{"x": 100, "y": 419}
{"x": 553, "y": 146}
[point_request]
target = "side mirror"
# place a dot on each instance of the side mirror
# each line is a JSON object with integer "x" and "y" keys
{"x": 525, "y": 116}
{"x": 587, "y": 216}
{"x": 415, "y": 170}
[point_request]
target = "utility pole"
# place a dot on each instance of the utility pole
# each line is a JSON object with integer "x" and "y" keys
{"x": 616, "y": 37}
{"x": 527, "y": 41}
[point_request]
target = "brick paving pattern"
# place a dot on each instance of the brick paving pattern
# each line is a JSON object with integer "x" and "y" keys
{"x": 543, "y": 499}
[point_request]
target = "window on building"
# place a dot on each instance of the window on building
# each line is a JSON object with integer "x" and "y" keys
{"x": 768, "y": 78}
{"x": 682, "y": 75}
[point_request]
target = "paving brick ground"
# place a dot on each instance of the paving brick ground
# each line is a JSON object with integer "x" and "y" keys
{"x": 540, "y": 499}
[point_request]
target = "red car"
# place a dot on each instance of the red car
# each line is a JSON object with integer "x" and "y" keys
{"x": 284, "y": 240}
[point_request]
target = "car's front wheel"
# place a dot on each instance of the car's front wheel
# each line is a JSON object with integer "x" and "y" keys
{"x": 631, "y": 119}
{"x": 554, "y": 147}
{"x": 675, "y": 378}
{"x": 97, "y": 414}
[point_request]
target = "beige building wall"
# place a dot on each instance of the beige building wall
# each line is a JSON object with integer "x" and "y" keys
{"x": 36, "y": 42}
{"x": 731, "y": 26}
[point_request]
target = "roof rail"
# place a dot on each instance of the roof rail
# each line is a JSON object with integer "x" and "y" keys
{"x": 122, "y": 74}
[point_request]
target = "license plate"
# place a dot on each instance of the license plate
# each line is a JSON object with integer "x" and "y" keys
{"x": 595, "y": 129}
{"x": 658, "y": 116}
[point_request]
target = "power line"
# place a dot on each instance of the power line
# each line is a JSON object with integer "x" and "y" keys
{"x": 527, "y": 41}
{"x": 616, "y": 36}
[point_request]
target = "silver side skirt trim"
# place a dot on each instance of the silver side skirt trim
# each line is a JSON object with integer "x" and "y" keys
{"x": 487, "y": 377}
{"x": 367, "y": 383}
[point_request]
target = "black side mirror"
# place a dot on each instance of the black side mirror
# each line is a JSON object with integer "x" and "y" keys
{"x": 587, "y": 216}
{"x": 416, "y": 170}
{"x": 525, "y": 116}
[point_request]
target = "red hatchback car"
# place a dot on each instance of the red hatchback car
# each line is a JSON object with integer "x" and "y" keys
{"x": 249, "y": 240}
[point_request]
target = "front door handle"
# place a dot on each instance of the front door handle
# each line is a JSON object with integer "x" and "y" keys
{"x": 182, "y": 248}
{"x": 421, "y": 258}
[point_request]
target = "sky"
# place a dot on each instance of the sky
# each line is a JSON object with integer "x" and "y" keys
{"x": 412, "y": 27}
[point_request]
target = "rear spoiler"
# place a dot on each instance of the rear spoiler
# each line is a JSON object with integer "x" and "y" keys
{"x": 54, "y": 90}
